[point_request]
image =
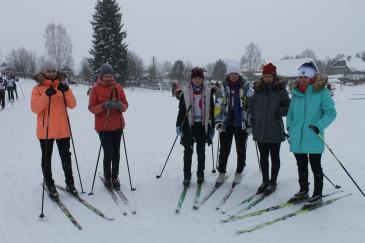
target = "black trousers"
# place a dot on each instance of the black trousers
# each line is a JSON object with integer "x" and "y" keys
{"x": 272, "y": 149}
{"x": 65, "y": 154}
{"x": 10, "y": 93}
{"x": 16, "y": 93}
{"x": 2, "y": 98}
{"x": 110, "y": 141}
{"x": 199, "y": 137}
{"x": 315, "y": 162}
{"x": 226, "y": 138}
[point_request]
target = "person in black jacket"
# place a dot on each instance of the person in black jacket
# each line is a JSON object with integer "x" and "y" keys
{"x": 268, "y": 105}
{"x": 2, "y": 92}
{"x": 195, "y": 122}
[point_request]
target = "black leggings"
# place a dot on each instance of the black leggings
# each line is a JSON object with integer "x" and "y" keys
{"x": 272, "y": 149}
{"x": 198, "y": 136}
{"x": 315, "y": 161}
{"x": 63, "y": 145}
{"x": 110, "y": 141}
{"x": 226, "y": 139}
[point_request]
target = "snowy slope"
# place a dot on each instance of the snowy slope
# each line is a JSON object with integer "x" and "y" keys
{"x": 150, "y": 133}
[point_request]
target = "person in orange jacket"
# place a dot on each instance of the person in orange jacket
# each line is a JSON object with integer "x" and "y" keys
{"x": 50, "y": 90}
{"x": 107, "y": 101}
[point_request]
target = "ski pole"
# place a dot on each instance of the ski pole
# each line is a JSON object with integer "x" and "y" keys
{"x": 257, "y": 155}
{"x": 218, "y": 147}
{"x": 173, "y": 145}
{"x": 72, "y": 141}
{"x": 213, "y": 169}
{"x": 126, "y": 158}
{"x": 46, "y": 153}
{"x": 328, "y": 179}
{"x": 343, "y": 167}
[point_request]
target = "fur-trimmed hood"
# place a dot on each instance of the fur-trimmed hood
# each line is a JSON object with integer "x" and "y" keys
{"x": 278, "y": 84}
{"x": 40, "y": 78}
{"x": 319, "y": 83}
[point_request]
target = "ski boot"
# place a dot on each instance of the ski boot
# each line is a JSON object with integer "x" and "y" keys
{"x": 262, "y": 187}
{"x": 107, "y": 183}
{"x": 200, "y": 178}
{"x": 187, "y": 178}
{"x": 220, "y": 179}
{"x": 237, "y": 178}
{"x": 116, "y": 183}
{"x": 270, "y": 188}
{"x": 72, "y": 189}
{"x": 299, "y": 196}
{"x": 52, "y": 191}
{"x": 313, "y": 201}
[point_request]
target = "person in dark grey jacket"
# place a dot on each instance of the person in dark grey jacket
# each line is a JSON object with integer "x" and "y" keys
{"x": 268, "y": 104}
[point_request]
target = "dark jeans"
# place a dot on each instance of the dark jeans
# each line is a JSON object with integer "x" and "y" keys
{"x": 226, "y": 138}
{"x": 198, "y": 136}
{"x": 315, "y": 161}
{"x": 272, "y": 149}
{"x": 2, "y": 98}
{"x": 110, "y": 141}
{"x": 65, "y": 154}
{"x": 10, "y": 93}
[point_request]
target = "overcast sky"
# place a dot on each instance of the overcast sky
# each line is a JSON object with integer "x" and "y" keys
{"x": 197, "y": 30}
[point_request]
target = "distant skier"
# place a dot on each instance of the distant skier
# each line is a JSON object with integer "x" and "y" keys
{"x": 107, "y": 101}
{"x": 50, "y": 87}
{"x": 311, "y": 111}
{"x": 231, "y": 120}
{"x": 2, "y": 92}
{"x": 195, "y": 122}
{"x": 15, "y": 86}
{"x": 331, "y": 89}
{"x": 268, "y": 105}
{"x": 174, "y": 87}
{"x": 11, "y": 87}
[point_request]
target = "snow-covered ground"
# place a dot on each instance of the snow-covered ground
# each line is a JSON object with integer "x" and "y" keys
{"x": 149, "y": 134}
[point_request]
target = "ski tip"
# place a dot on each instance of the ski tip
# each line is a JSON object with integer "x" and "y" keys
{"x": 195, "y": 207}
{"x": 125, "y": 214}
{"x": 177, "y": 211}
{"x": 134, "y": 212}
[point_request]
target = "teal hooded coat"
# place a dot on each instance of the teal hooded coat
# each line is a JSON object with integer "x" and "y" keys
{"x": 314, "y": 107}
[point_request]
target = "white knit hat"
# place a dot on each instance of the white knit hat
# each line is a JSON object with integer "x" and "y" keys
{"x": 233, "y": 69}
{"x": 306, "y": 71}
{"x": 48, "y": 65}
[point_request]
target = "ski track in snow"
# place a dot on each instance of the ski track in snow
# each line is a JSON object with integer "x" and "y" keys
{"x": 150, "y": 130}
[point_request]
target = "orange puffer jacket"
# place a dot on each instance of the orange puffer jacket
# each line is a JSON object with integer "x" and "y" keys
{"x": 107, "y": 120}
{"x": 58, "y": 124}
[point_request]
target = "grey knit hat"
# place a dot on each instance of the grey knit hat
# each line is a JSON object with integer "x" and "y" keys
{"x": 48, "y": 65}
{"x": 106, "y": 68}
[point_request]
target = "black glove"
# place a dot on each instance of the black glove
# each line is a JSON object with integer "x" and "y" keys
{"x": 63, "y": 87}
{"x": 50, "y": 91}
{"x": 314, "y": 128}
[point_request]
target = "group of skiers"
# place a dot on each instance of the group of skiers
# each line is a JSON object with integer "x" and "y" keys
{"x": 9, "y": 85}
{"x": 232, "y": 109}
{"x": 235, "y": 110}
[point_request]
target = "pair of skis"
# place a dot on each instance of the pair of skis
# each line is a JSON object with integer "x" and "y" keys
{"x": 67, "y": 212}
{"x": 197, "y": 204}
{"x": 119, "y": 198}
{"x": 290, "y": 215}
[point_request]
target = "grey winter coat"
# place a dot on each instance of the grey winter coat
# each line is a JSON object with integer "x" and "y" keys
{"x": 268, "y": 105}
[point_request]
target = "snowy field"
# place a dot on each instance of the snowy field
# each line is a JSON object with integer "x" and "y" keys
{"x": 150, "y": 132}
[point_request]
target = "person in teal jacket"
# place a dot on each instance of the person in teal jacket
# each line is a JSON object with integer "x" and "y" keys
{"x": 310, "y": 112}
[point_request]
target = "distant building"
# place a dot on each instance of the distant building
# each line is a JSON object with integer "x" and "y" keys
{"x": 351, "y": 68}
{"x": 289, "y": 68}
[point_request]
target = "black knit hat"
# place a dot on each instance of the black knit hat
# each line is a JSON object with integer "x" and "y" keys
{"x": 197, "y": 72}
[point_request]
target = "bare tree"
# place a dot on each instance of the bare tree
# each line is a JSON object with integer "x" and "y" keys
{"x": 153, "y": 73}
{"x": 135, "y": 66}
{"x": 165, "y": 67}
{"x": 40, "y": 61}
{"x": 252, "y": 59}
{"x": 308, "y": 53}
{"x": 23, "y": 61}
{"x": 58, "y": 45}
{"x": 86, "y": 71}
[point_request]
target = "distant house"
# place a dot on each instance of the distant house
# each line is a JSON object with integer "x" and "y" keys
{"x": 352, "y": 69}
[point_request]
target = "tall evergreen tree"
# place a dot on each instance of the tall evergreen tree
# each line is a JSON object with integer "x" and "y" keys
{"x": 109, "y": 38}
{"x": 219, "y": 70}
